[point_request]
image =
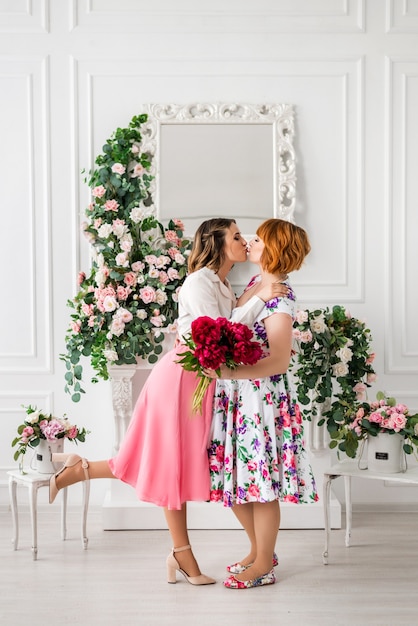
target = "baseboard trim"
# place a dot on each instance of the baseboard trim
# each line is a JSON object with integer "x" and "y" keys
{"x": 120, "y": 515}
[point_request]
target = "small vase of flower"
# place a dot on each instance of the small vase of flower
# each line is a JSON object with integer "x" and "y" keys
{"x": 45, "y": 434}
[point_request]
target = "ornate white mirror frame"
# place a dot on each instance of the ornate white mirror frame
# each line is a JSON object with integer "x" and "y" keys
{"x": 259, "y": 134}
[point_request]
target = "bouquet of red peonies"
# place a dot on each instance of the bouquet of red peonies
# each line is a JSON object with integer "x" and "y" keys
{"x": 214, "y": 343}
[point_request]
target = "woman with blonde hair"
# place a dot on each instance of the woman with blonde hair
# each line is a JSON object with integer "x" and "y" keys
{"x": 164, "y": 452}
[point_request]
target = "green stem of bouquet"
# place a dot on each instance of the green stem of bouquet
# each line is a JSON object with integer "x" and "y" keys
{"x": 199, "y": 394}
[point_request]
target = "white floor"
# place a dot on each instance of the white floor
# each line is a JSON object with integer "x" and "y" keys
{"x": 120, "y": 579}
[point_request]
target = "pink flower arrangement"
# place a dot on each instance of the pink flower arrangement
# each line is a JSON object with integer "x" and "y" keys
{"x": 39, "y": 425}
{"x": 138, "y": 265}
{"x": 385, "y": 415}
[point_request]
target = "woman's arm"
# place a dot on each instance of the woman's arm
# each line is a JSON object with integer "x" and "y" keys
{"x": 248, "y": 312}
{"x": 279, "y": 329}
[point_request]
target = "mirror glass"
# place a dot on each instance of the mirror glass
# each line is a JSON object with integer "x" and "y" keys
{"x": 210, "y": 170}
{"x": 231, "y": 160}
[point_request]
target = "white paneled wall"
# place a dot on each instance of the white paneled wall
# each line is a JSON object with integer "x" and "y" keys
{"x": 72, "y": 71}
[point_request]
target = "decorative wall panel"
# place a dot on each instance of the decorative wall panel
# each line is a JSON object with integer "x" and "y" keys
{"x": 25, "y": 16}
{"x": 25, "y": 255}
{"x": 286, "y": 16}
{"x": 401, "y": 16}
{"x": 402, "y": 216}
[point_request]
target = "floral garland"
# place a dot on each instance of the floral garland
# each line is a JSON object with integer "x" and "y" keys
{"x": 138, "y": 266}
{"x": 333, "y": 360}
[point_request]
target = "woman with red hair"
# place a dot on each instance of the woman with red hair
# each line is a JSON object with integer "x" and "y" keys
{"x": 257, "y": 454}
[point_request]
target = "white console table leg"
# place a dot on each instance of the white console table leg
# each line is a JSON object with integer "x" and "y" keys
{"x": 15, "y": 519}
{"x": 64, "y": 514}
{"x": 348, "y": 510}
{"x": 33, "y": 497}
{"x": 326, "y": 495}
{"x": 86, "y": 497}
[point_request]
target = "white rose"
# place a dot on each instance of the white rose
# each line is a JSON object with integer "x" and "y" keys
{"x": 142, "y": 314}
{"x": 109, "y": 304}
{"x": 110, "y": 355}
{"x": 344, "y": 354}
{"x": 33, "y": 417}
{"x": 340, "y": 369}
{"x": 100, "y": 278}
{"x": 153, "y": 272}
{"x": 119, "y": 229}
{"x": 318, "y": 324}
{"x": 160, "y": 297}
{"x": 104, "y": 231}
{"x": 302, "y": 317}
{"x": 136, "y": 215}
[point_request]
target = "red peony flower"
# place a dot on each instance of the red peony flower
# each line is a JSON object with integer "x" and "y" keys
{"x": 214, "y": 343}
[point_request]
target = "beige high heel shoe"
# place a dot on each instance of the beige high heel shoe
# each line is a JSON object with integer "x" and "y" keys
{"x": 69, "y": 461}
{"x": 173, "y": 566}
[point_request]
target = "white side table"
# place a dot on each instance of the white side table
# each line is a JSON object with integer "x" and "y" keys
{"x": 349, "y": 469}
{"x": 33, "y": 481}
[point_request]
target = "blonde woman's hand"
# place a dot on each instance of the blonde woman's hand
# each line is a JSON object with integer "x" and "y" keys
{"x": 274, "y": 290}
{"x": 225, "y": 373}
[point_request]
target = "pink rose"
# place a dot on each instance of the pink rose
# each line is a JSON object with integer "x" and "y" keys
{"x": 172, "y": 252}
{"x": 163, "y": 278}
{"x": 138, "y": 170}
{"x": 171, "y": 236}
{"x": 125, "y": 315}
{"x": 72, "y": 432}
{"x": 129, "y": 279}
{"x": 172, "y": 273}
{"x": 122, "y": 292}
{"x": 360, "y": 390}
{"x": 397, "y": 421}
{"x": 376, "y": 417}
{"x": 117, "y": 326}
{"x": 147, "y": 294}
{"x": 111, "y": 205}
{"x": 157, "y": 320}
{"x": 138, "y": 266}
{"x": 118, "y": 168}
{"x": 122, "y": 259}
{"x": 306, "y": 336}
{"x": 99, "y": 191}
{"x": 87, "y": 309}
{"x": 76, "y": 326}
{"x": 81, "y": 277}
{"x": 179, "y": 224}
{"x": 370, "y": 358}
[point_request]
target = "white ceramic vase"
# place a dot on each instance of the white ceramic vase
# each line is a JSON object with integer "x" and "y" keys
{"x": 385, "y": 453}
{"x": 43, "y": 456}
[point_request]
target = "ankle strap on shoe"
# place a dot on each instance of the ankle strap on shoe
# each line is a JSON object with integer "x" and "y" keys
{"x": 188, "y": 547}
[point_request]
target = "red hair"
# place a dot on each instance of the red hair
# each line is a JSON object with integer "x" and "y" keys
{"x": 285, "y": 246}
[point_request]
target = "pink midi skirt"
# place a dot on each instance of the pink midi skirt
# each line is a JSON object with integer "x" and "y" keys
{"x": 164, "y": 452}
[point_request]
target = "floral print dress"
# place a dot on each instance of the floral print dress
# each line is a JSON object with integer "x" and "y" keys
{"x": 257, "y": 449}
